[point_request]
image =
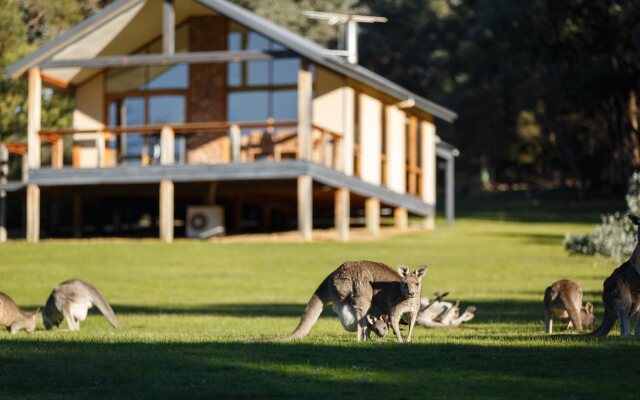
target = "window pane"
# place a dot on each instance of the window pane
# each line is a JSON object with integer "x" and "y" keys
{"x": 285, "y": 71}
{"x": 166, "y": 109}
{"x": 176, "y": 77}
{"x": 234, "y": 41}
{"x": 258, "y": 72}
{"x": 257, "y": 42}
{"x": 134, "y": 111}
{"x": 248, "y": 106}
{"x": 234, "y": 74}
{"x": 285, "y": 105}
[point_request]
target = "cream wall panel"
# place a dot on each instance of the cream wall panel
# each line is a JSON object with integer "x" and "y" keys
{"x": 89, "y": 112}
{"x": 328, "y": 101}
{"x": 396, "y": 149}
{"x": 370, "y": 139}
{"x": 428, "y": 131}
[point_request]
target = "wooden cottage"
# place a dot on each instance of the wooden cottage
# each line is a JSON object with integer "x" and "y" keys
{"x": 198, "y": 117}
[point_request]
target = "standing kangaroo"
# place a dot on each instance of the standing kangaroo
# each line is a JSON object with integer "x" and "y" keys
{"x": 352, "y": 288}
{"x": 563, "y": 299}
{"x": 14, "y": 318}
{"x": 621, "y": 294}
{"x": 71, "y": 300}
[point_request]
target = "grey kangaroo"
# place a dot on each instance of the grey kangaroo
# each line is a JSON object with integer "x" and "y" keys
{"x": 621, "y": 294}
{"x": 12, "y": 317}
{"x": 563, "y": 299}
{"x": 354, "y": 286}
{"x": 71, "y": 300}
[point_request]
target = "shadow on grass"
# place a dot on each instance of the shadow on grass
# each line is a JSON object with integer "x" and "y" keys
{"x": 239, "y": 370}
{"x": 530, "y": 238}
{"x": 230, "y": 310}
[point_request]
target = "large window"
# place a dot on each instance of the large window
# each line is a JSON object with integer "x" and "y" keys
{"x": 259, "y": 90}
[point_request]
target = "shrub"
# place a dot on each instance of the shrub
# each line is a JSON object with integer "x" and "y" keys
{"x": 616, "y": 236}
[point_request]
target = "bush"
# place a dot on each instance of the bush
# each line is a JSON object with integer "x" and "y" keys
{"x": 616, "y": 237}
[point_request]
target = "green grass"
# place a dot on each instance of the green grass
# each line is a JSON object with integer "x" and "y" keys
{"x": 191, "y": 313}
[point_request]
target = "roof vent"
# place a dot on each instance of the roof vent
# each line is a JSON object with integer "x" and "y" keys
{"x": 351, "y": 33}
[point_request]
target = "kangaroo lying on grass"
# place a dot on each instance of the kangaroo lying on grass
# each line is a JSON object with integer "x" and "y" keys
{"x": 621, "y": 294}
{"x": 442, "y": 314}
{"x": 71, "y": 300}
{"x": 354, "y": 286}
{"x": 14, "y": 318}
{"x": 563, "y": 299}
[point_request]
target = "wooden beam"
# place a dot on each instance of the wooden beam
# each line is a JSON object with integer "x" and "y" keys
{"x": 34, "y": 118}
{"x": 305, "y": 207}
{"x": 401, "y": 218}
{"x": 305, "y": 92}
{"x": 141, "y": 60}
{"x": 168, "y": 27}
{"x": 167, "y": 146}
{"x": 4, "y": 172}
{"x": 57, "y": 82}
{"x": 166, "y": 210}
{"x": 57, "y": 153}
{"x": 372, "y": 215}
{"x": 428, "y": 131}
{"x": 342, "y": 213}
{"x": 33, "y": 213}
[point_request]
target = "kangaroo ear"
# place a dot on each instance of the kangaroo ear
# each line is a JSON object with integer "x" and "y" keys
{"x": 403, "y": 270}
{"x": 370, "y": 320}
{"x": 589, "y": 307}
{"x": 384, "y": 317}
{"x": 421, "y": 271}
{"x": 35, "y": 313}
{"x": 634, "y": 219}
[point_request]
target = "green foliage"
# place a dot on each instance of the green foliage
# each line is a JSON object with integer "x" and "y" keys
{"x": 616, "y": 237}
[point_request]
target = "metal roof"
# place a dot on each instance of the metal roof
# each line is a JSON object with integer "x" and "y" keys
{"x": 293, "y": 41}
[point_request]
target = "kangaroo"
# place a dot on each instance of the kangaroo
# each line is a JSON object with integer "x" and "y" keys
{"x": 378, "y": 324}
{"x": 621, "y": 294}
{"x": 351, "y": 288}
{"x": 14, "y": 318}
{"x": 563, "y": 299}
{"x": 442, "y": 314}
{"x": 71, "y": 300}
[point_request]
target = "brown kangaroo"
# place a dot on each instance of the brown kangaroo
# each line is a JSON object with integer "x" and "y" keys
{"x": 14, "y": 318}
{"x": 563, "y": 299}
{"x": 354, "y": 286}
{"x": 621, "y": 294}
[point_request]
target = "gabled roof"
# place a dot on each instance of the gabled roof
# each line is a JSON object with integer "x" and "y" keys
{"x": 294, "y": 42}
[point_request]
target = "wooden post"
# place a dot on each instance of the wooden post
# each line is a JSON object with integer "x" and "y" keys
{"x": 4, "y": 171}
{"x": 77, "y": 216}
{"x": 429, "y": 171}
{"x": 33, "y": 213}
{"x": 401, "y": 218}
{"x": 57, "y": 153}
{"x": 101, "y": 148}
{"x": 34, "y": 118}
{"x": 166, "y": 211}
{"x": 305, "y": 207}
{"x": 305, "y": 83}
{"x": 235, "y": 139}
{"x": 372, "y": 215}
{"x": 167, "y": 146}
{"x": 342, "y": 213}
{"x": 168, "y": 27}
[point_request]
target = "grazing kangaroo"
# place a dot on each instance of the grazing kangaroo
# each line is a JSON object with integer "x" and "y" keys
{"x": 621, "y": 294}
{"x": 354, "y": 286}
{"x": 14, "y": 318}
{"x": 563, "y": 299}
{"x": 71, "y": 300}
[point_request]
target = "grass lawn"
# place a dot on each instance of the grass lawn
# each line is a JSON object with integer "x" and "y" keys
{"x": 191, "y": 313}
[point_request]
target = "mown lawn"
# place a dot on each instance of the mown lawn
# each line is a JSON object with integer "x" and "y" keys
{"x": 191, "y": 313}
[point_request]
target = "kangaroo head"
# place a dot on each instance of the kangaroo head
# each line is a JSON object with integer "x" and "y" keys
{"x": 587, "y": 317}
{"x": 379, "y": 325}
{"x": 411, "y": 281}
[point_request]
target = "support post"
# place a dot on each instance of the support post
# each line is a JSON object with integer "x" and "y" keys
{"x": 57, "y": 153}
{"x": 401, "y": 218}
{"x": 4, "y": 171}
{"x": 342, "y": 212}
{"x": 428, "y": 132}
{"x": 167, "y": 146}
{"x": 450, "y": 191}
{"x": 166, "y": 211}
{"x": 235, "y": 138}
{"x": 305, "y": 207}
{"x": 33, "y": 213}
{"x": 305, "y": 82}
{"x": 168, "y": 27}
{"x": 372, "y": 215}
{"x": 34, "y": 118}
{"x": 77, "y": 216}
{"x": 352, "y": 41}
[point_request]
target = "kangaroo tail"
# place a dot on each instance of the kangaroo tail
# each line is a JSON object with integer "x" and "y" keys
{"x": 312, "y": 312}
{"x": 606, "y": 325}
{"x": 99, "y": 301}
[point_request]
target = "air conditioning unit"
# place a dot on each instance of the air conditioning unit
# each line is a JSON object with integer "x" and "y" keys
{"x": 205, "y": 221}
